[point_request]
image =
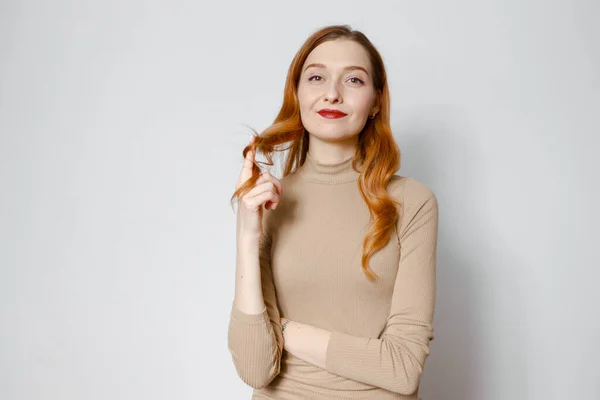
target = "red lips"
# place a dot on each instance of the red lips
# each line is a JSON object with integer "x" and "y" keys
{"x": 331, "y": 113}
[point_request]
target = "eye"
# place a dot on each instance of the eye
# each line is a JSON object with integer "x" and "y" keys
{"x": 314, "y": 76}
{"x": 357, "y": 79}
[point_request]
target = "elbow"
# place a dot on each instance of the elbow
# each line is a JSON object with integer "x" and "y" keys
{"x": 260, "y": 383}
{"x": 410, "y": 385}
{"x": 257, "y": 376}
{"x": 406, "y": 368}
{"x": 406, "y": 384}
{"x": 256, "y": 369}
{"x": 256, "y": 351}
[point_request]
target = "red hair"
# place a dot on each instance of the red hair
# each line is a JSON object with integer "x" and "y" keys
{"x": 377, "y": 149}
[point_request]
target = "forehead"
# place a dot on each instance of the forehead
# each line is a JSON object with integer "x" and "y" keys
{"x": 338, "y": 54}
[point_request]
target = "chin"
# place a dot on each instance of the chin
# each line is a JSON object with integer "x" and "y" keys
{"x": 327, "y": 135}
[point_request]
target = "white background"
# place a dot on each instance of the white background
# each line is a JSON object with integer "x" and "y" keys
{"x": 121, "y": 130}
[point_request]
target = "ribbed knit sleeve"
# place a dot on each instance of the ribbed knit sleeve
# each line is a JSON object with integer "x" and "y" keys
{"x": 255, "y": 341}
{"x": 396, "y": 359}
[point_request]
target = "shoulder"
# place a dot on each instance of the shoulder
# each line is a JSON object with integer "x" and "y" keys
{"x": 410, "y": 191}
{"x": 418, "y": 204}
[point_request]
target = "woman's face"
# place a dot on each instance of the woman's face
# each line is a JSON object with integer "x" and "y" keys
{"x": 336, "y": 75}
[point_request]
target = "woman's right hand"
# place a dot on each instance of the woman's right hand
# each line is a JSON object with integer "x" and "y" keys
{"x": 266, "y": 191}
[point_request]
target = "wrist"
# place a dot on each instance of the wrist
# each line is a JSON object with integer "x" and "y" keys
{"x": 284, "y": 323}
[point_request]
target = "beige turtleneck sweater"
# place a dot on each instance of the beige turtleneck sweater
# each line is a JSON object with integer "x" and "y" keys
{"x": 310, "y": 256}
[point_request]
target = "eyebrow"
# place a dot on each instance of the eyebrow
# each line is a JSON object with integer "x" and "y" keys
{"x": 348, "y": 68}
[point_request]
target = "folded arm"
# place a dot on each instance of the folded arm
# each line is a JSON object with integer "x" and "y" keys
{"x": 255, "y": 341}
{"x": 395, "y": 360}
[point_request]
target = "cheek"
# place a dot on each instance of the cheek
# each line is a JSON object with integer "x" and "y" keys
{"x": 305, "y": 98}
{"x": 304, "y": 103}
{"x": 362, "y": 104}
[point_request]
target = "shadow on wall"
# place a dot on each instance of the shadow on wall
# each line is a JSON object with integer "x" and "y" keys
{"x": 443, "y": 153}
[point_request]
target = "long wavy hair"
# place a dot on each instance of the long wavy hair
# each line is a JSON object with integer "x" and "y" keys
{"x": 377, "y": 150}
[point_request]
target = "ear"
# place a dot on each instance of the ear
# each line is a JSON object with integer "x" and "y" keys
{"x": 377, "y": 104}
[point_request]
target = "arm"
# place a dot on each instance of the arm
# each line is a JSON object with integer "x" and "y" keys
{"x": 254, "y": 338}
{"x": 396, "y": 359}
{"x": 306, "y": 342}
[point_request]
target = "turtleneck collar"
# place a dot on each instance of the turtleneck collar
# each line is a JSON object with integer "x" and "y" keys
{"x": 315, "y": 171}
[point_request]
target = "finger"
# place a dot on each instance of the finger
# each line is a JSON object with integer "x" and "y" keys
{"x": 261, "y": 198}
{"x": 266, "y": 176}
{"x": 246, "y": 171}
{"x": 265, "y": 187}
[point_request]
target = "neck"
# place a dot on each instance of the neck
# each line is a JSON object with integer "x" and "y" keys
{"x": 328, "y": 173}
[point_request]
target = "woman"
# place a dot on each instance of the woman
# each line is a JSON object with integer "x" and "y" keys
{"x": 335, "y": 275}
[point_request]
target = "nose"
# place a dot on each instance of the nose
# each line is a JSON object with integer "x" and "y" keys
{"x": 333, "y": 93}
